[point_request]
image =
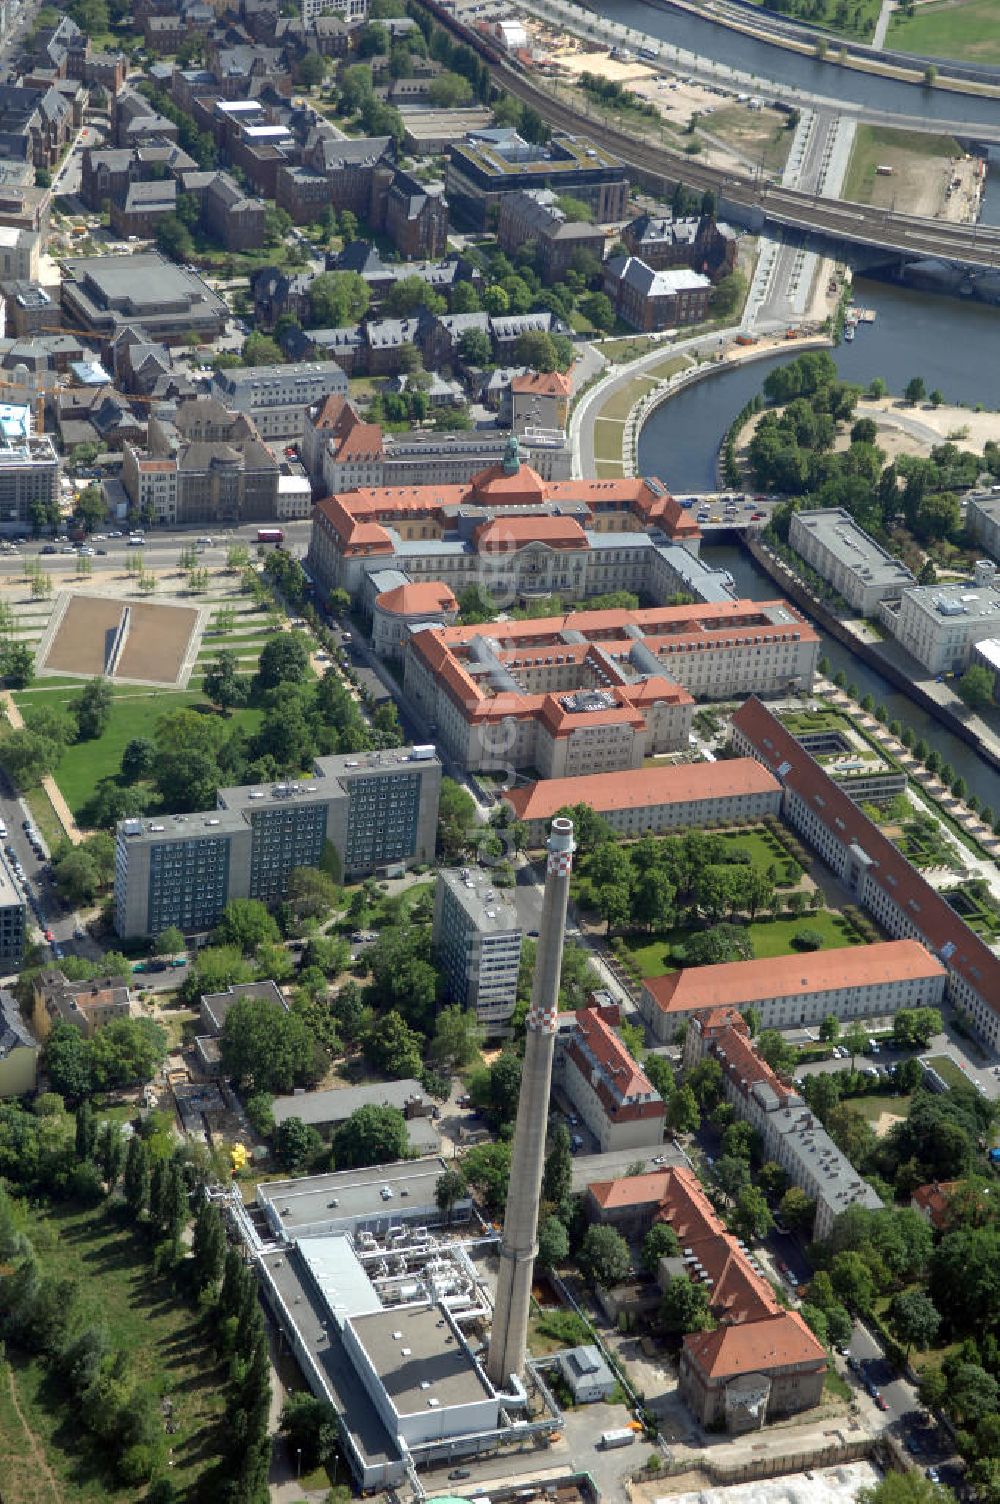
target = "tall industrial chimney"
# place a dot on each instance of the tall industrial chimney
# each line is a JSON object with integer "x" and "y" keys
{"x": 509, "y": 1338}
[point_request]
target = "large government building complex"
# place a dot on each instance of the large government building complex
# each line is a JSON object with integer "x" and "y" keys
{"x": 596, "y": 691}
{"x": 372, "y": 808}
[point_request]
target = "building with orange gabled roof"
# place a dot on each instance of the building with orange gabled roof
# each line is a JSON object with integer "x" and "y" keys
{"x": 733, "y": 791}
{"x": 606, "y": 1084}
{"x": 598, "y": 691}
{"x": 789, "y": 1133}
{"x": 932, "y": 1201}
{"x": 852, "y": 982}
{"x": 876, "y": 872}
{"x": 398, "y": 610}
{"x": 506, "y": 529}
{"x": 761, "y": 1361}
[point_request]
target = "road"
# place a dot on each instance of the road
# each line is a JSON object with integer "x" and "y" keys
{"x": 159, "y": 549}
{"x": 45, "y": 909}
{"x": 741, "y": 196}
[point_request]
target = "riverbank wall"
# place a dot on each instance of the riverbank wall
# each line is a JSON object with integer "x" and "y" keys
{"x": 870, "y": 653}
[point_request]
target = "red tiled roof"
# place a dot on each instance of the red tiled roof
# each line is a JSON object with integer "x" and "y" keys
{"x": 507, "y": 534}
{"x": 425, "y": 596}
{"x": 935, "y": 919}
{"x": 647, "y": 501}
{"x": 933, "y": 1199}
{"x": 542, "y": 384}
{"x": 737, "y": 983}
{"x": 624, "y": 1089}
{"x": 643, "y": 788}
{"x": 631, "y": 1190}
{"x": 779, "y": 1341}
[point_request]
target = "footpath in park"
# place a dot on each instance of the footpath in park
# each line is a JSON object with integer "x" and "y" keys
{"x": 55, "y": 796}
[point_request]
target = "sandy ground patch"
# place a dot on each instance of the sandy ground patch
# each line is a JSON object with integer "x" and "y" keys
{"x": 884, "y": 1122}
{"x": 154, "y": 650}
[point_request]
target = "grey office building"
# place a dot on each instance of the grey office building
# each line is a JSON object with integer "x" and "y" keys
{"x": 374, "y": 808}
{"x": 11, "y": 920}
{"x": 477, "y": 943}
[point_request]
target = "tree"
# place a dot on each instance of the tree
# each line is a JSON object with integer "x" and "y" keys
{"x": 535, "y": 349}
{"x": 732, "y": 1174}
{"x": 682, "y": 1111}
{"x": 169, "y": 942}
{"x": 660, "y": 1242}
{"x": 93, "y": 709}
{"x": 338, "y": 300}
{"x": 475, "y": 348}
{"x": 310, "y": 70}
{"x": 312, "y": 893}
{"x": 752, "y": 1215}
{"x": 456, "y": 819}
{"x": 136, "y": 1177}
{"x": 487, "y": 1169}
{"x": 852, "y": 1281}
{"x": 223, "y": 684}
{"x": 553, "y": 1243}
{"x": 796, "y": 1209}
{"x": 914, "y": 1320}
{"x": 711, "y": 947}
{"x": 310, "y": 1429}
{"x": 126, "y": 1052}
{"x": 910, "y": 1487}
{"x": 264, "y": 1046}
{"x": 392, "y": 1047}
{"x": 245, "y": 925}
{"x": 684, "y": 1307}
{"x": 138, "y": 759}
{"x": 449, "y": 1189}
{"x": 557, "y": 1179}
{"x": 284, "y": 660}
{"x": 604, "y": 1257}
{"x": 456, "y": 1039}
{"x": 915, "y": 390}
{"x": 109, "y": 1151}
{"x": 66, "y": 1059}
{"x": 976, "y": 686}
{"x": 17, "y": 664}
{"x": 599, "y": 310}
{"x": 829, "y": 1029}
{"x": 296, "y": 1143}
{"x": 855, "y": 1040}
{"x": 208, "y": 1246}
{"x": 476, "y": 606}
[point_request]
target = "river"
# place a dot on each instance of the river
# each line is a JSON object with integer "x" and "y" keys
{"x": 701, "y": 35}
{"x": 952, "y": 343}
{"x": 754, "y": 583}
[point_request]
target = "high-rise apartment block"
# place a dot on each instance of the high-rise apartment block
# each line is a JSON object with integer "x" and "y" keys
{"x": 477, "y": 943}
{"x": 372, "y": 808}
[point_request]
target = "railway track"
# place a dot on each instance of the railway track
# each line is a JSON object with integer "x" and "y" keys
{"x": 660, "y": 168}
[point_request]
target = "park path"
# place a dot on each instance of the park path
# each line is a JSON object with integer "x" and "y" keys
{"x": 882, "y": 24}
{"x": 62, "y": 810}
{"x": 36, "y": 1451}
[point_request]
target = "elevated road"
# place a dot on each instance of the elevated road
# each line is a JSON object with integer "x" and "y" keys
{"x": 742, "y": 198}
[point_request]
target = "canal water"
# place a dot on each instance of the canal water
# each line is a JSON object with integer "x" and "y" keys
{"x": 953, "y": 344}
{"x": 699, "y": 34}
{"x": 753, "y": 583}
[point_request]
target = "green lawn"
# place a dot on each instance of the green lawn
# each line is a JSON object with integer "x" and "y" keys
{"x": 765, "y": 851}
{"x": 770, "y": 937}
{"x": 949, "y": 1071}
{"x": 874, "y": 1106}
{"x": 905, "y": 151}
{"x": 621, "y": 404}
{"x": 164, "y": 1338}
{"x": 954, "y": 28}
{"x": 858, "y": 21}
{"x": 608, "y": 441}
{"x": 133, "y": 714}
{"x": 609, "y": 469}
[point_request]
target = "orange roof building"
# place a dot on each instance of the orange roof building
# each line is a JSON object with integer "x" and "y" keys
{"x": 932, "y": 1201}
{"x": 761, "y": 1361}
{"x": 507, "y": 529}
{"x": 598, "y": 691}
{"x": 853, "y": 982}
{"x": 606, "y": 1085}
{"x": 874, "y": 870}
{"x": 789, "y": 1133}
{"x": 730, "y": 792}
{"x": 397, "y": 610}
